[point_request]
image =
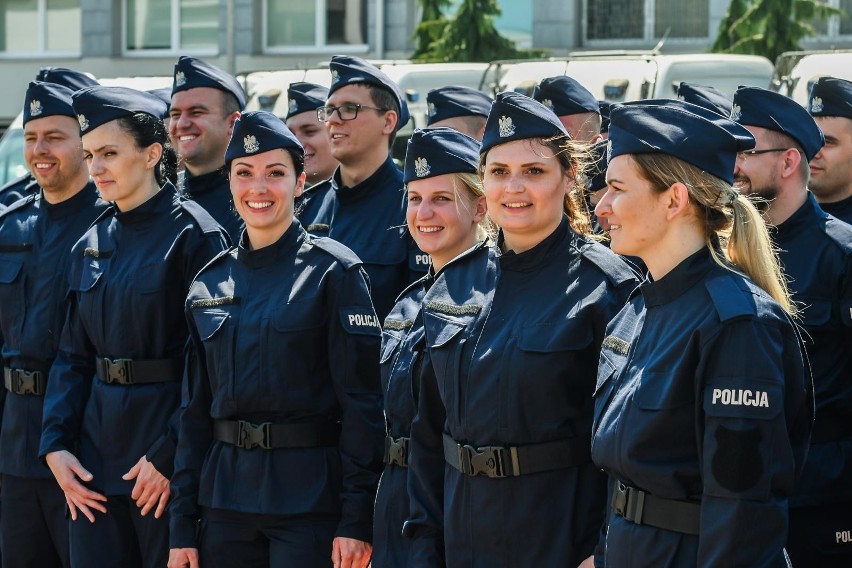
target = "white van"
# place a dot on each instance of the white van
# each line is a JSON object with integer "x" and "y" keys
{"x": 797, "y": 71}
{"x": 618, "y": 76}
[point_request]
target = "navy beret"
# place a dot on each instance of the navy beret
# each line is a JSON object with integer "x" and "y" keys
{"x": 663, "y": 129}
{"x": 165, "y": 95}
{"x": 259, "y": 131}
{"x": 436, "y": 151}
{"x": 98, "y": 105}
{"x": 763, "y": 108}
{"x": 74, "y": 80}
{"x": 831, "y": 97}
{"x": 453, "y": 101}
{"x": 707, "y": 97}
{"x": 515, "y": 116}
{"x": 596, "y": 175}
{"x": 346, "y": 70}
{"x": 304, "y": 97}
{"x": 191, "y": 73}
{"x": 563, "y": 95}
{"x": 47, "y": 99}
{"x": 604, "y": 108}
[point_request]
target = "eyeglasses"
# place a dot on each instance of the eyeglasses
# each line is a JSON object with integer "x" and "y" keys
{"x": 348, "y": 111}
{"x": 746, "y": 153}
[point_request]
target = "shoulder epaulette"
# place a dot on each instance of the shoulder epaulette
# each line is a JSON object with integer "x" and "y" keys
{"x": 20, "y": 204}
{"x": 108, "y": 212}
{"x": 840, "y": 233}
{"x": 616, "y": 270}
{"x": 340, "y": 252}
{"x": 205, "y": 221}
{"x": 729, "y": 298}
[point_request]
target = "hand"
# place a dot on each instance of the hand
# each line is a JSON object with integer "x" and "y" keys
{"x": 67, "y": 469}
{"x": 183, "y": 558}
{"x": 587, "y": 563}
{"x": 152, "y": 487}
{"x": 350, "y": 553}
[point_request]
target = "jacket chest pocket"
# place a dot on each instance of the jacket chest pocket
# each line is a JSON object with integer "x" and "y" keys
{"x": 294, "y": 346}
{"x": 552, "y": 372}
{"x": 446, "y": 340}
{"x": 388, "y": 356}
{"x": 216, "y": 330}
{"x": 13, "y": 298}
{"x": 151, "y": 279}
{"x": 89, "y": 288}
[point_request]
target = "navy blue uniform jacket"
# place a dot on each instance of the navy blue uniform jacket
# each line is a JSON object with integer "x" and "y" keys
{"x": 703, "y": 395}
{"x": 35, "y": 250}
{"x": 282, "y": 334}
{"x": 816, "y": 255}
{"x": 513, "y": 344}
{"x": 213, "y": 192}
{"x": 129, "y": 277}
{"x": 17, "y": 189}
{"x": 369, "y": 218}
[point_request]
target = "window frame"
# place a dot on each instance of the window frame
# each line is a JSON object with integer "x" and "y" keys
{"x": 832, "y": 31}
{"x": 42, "y": 50}
{"x": 648, "y": 7}
{"x": 319, "y": 46}
{"x": 174, "y": 37}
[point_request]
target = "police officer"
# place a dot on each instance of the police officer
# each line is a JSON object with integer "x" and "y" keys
{"x": 830, "y": 103}
{"x": 205, "y": 103}
{"x": 815, "y": 250}
{"x": 281, "y": 438}
{"x": 577, "y": 108}
{"x": 36, "y": 236}
{"x": 363, "y": 204}
{"x": 303, "y": 100}
{"x": 445, "y": 214}
{"x": 604, "y": 108}
{"x": 115, "y": 382}
{"x": 27, "y": 184}
{"x": 702, "y": 403}
{"x": 705, "y": 96}
{"x": 461, "y": 108}
{"x": 500, "y": 472}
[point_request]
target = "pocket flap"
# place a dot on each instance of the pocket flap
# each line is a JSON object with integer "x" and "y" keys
{"x": 440, "y": 331}
{"x": 89, "y": 276}
{"x": 390, "y": 342}
{"x": 9, "y": 271}
{"x": 209, "y": 322}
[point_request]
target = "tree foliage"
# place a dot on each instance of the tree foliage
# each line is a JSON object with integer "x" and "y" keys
{"x": 470, "y": 35}
{"x": 769, "y": 27}
{"x": 431, "y": 26}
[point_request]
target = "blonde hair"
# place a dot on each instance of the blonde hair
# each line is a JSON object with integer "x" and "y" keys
{"x": 734, "y": 230}
{"x": 467, "y": 188}
{"x": 574, "y": 159}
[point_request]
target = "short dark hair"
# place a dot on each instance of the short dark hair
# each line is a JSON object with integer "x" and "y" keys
{"x": 383, "y": 98}
{"x": 230, "y": 104}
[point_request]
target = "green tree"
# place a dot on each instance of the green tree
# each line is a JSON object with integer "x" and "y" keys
{"x": 470, "y": 35}
{"x": 431, "y": 26}
{"x": 771, "y": 27}
{"x": 726, "y": 36}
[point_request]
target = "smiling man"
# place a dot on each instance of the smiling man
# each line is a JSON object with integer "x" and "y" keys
{"x": 205, "y": 103}
{"x": 363, "y": 204}
{"x": 830, "y": 103}
{"x": 303, "y": 100}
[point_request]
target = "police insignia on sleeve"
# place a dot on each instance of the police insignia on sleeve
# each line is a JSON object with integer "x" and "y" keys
{"x": 360, "y": 321}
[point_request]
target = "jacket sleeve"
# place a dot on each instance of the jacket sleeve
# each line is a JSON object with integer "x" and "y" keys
{"x": 353, "y": 355}
{"x": 196, "y": 435}
{"x": 752, "y": 384}
{"x": 425, "y": 524}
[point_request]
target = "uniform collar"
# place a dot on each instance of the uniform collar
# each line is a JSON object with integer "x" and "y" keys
{"x": 804, "y": 217}
{"x": 387, "y": 176}
{"x": 292, "y": 238}
{"x": 836, "y": 208}
{"x": 529, "y": 260}
{"x": 681, "y": 278}
{"x": 205, "y": 183}
{"x": 83, "y": 199}
{"x": 151, "y": 209}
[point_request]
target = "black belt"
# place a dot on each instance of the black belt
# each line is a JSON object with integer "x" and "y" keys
{"x": 269, "y": 436}
{"x": 396, "y": 451}
{"x": 499, "y": 461}
{"x": 138, "y": 371}
{"x": 831, "y": 428}
{"x": 643, "y": 508}
{"x": 21, "y": 381}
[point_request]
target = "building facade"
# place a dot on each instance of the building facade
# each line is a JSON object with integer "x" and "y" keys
{"x": 118, "y": 38}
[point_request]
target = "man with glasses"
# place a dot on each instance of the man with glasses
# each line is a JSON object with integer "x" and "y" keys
{"x": 830, "y": 103}
{"x": 815, "y": 250}
{"x": 363, "y": 204}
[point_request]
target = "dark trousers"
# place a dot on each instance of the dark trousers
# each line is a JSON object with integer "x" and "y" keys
{"x": 821, "y": 536}
{"x": 33, "y": 527}
{"x": 245, "y": 540}
{"x": 121, "y": 538}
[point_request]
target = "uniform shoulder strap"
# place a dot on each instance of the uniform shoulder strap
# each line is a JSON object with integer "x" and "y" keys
{"x": 616, "y": 270}
{"x": 204, "y": 220}
{"x": 730, "y": 298}
{"x": 339, "y": 251}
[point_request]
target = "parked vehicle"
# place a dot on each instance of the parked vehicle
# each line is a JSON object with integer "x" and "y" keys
{"x": 796, "y": 71}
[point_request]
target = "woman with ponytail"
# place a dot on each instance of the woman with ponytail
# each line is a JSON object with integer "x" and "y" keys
{"x": 703, "y": 401}
{"x": 110, "y": 408}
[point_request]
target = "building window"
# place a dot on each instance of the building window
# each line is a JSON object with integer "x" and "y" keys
{"x": 40, "y": 26}
{"x": 646, "y": 20}
{"x": 171, "y": 25}
{"x": 312, "y": 24}
{"x": 835, "y": 25}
